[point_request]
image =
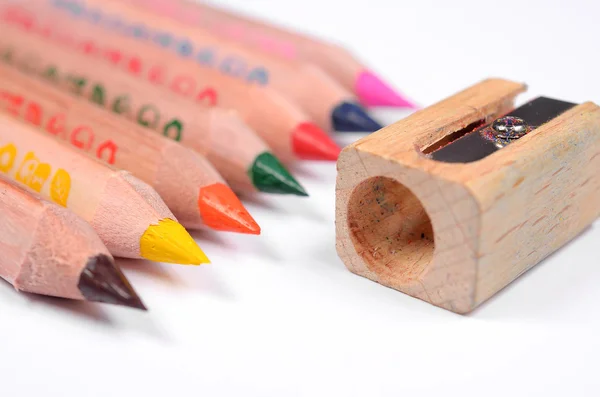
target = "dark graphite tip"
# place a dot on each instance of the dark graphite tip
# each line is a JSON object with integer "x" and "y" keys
{"x": 351, "y": 117}
{"x": 102, "y": 281}
{"x": 269, "y": 176}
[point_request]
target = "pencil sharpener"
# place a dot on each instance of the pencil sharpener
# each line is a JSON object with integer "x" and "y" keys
{"x": 454, "y": 202}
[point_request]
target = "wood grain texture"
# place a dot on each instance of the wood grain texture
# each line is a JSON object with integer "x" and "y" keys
{"x": 44, "y": 247}
{"x": 455, "y": 234}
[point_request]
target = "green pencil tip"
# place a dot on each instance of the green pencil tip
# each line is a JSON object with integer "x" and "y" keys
{"x": 269, "y": 176}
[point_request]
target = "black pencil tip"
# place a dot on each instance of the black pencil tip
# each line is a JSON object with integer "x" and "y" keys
{"x": 102, "y": 281}
{"x": 351, "y": 117}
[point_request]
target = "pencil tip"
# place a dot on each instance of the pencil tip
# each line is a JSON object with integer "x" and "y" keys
{"x": 351, "y": 117}
{"x": 222, "y": 210}
{"x": 312, "y": 143}
{"x": 372, "y": 92}
{"x": 270, "y": 176}
{"x": 102, "y": 281}
{"x": 169, "y": 242}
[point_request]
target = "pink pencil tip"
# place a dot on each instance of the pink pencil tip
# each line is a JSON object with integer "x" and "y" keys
{"x": 373, "y": 92}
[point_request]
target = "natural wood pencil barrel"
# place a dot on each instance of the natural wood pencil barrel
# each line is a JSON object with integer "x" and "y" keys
{"x": 328, "y": 103}
{"x": 219, "y": 134}
{"x": 47, "y": 249}
{"x": 296, "y": 80}
{"x": 185, "y": 180}
{"x": 128, "y": 215}
{"x": 278, "y": 41}
{"x": 279, "y": 121}
{"x": 454, "y": 234}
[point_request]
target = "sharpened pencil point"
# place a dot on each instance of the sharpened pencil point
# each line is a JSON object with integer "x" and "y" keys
{"x": 312, "y": 143}
{"x": 222, "y": 210}
{"x": 269, "y": 176}
{"x": 169, "y": 242}
{"x": 102, "y": 281}
{"x": 350, "y": 117}
{"x": 373, "y": 92}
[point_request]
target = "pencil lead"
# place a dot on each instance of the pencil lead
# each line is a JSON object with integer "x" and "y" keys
{"x": 222, "y": 210}
{"x": 269, "y": 176}
{"x": 351, "y": 117}
{"x": 372, "y": 92}
{"x": 312, "y": 143}
{"x": 102, "y": 281}
{"x": 169, "y": 242}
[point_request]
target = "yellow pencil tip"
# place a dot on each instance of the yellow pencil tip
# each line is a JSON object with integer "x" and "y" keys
{"x": 169, "y": 242}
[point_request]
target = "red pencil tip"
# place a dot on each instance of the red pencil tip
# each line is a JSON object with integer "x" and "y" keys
{"x": 372, "y": 92}
{"x": 222, "y": 210}
{"x": 312, "y": 143}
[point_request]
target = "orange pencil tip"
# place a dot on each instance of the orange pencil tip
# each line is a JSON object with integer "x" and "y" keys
{"x": 222, "y": 210}
{"x": 312, "y": 143}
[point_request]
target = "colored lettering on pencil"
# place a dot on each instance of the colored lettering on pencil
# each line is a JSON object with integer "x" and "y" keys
{"x": 60, "y": 187}
{"x": 211, "y": 56}
{"x": 181, "y": 84}
{"x": 8, "y": 154}
{"x": 230, "y": 29}
{"x": 34, "y": 173}
{"x": 80, "y": 136}
{"x": 147, "y": 115}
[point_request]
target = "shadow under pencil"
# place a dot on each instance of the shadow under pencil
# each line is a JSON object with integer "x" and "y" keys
{"x": 85, "y": 309}
{"x": 154, "y": 270}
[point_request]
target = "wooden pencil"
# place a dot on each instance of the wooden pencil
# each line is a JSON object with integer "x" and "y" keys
{"x": 283, "y": 43}
{"x": 282, "y": 124}
{"x": 128, "y": 215}
{"x": 233, "y": 148}
{"x": 192, "y": 189}
{"x": 330, "y": 104}
{"x": 48, "y": 250}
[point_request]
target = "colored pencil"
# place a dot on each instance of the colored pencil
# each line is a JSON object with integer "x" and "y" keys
{"x": 330, "y": 104}
{"x": 283, "y": 43}
{"x": 232, "y": 147}
{"x": 128, "y": 215}
{"x": 262, "y": 108}
{"x": 48, "y": 250}
{"x": 186, "y": 181}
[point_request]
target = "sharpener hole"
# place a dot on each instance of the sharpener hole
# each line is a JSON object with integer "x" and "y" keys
{"x": 390, "y": 229}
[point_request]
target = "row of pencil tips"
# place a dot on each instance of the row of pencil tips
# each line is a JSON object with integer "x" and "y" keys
{"x": 122, "y": 123}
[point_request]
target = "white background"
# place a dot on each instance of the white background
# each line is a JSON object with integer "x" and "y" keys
{"x": 279, "y": 315}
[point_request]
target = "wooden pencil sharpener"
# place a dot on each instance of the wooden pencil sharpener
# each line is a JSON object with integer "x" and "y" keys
{"x": 452, "y": 203}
